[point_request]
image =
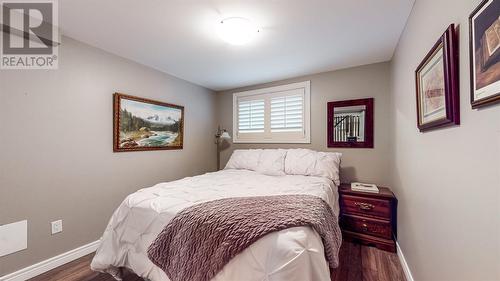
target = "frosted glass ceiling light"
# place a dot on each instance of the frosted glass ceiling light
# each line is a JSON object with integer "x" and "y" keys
{"x": 237, "y": 31}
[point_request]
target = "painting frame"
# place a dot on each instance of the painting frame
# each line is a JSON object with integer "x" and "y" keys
{"x": 492, "y": 89}
{"x": 445, "y": 53}
{"x": 117, "y": 100}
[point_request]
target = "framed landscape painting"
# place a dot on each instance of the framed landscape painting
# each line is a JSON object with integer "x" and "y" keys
{"x": 437, "y": 84}
{"x": 484, "y": 48}
{"x": 142, "y": 124}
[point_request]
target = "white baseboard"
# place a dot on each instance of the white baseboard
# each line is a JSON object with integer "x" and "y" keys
{"x": 404, "y": 264}
{"x": 48, "y": 264}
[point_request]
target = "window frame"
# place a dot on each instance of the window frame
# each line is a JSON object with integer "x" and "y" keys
{"x": 267, "y": 136}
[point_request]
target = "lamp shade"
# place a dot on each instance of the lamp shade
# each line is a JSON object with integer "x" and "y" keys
{"x": 225, "y": 135}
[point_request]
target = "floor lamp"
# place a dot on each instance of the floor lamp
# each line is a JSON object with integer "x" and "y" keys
{"x": 220, "y": 136}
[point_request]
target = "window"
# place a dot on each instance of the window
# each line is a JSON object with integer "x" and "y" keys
{"x": 251, "y": 116}
{"x": 273, "y": 115}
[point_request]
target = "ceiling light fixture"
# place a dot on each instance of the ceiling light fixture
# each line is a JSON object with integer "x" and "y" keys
{"x": 236, "y": 30}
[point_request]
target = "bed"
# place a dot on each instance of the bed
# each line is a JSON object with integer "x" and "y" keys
{"x": 292, "y": 254}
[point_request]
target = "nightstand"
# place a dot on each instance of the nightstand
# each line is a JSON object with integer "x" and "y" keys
{"x": 369, "y": 218}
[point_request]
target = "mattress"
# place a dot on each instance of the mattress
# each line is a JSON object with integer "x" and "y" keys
{"x": 292, "y": 254}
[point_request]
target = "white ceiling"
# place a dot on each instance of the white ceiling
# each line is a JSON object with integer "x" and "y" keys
{"x": 297, "y": 37}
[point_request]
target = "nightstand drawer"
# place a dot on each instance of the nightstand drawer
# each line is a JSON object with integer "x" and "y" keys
{"x": 375, "y": 227}
{"x": 365, "y": 206}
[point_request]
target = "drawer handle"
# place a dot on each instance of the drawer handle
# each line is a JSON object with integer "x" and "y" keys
{"x": 365, "y": 227}
{"x": 364, "y": 206}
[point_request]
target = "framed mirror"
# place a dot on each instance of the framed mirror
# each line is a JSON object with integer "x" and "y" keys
{"x": 350, "y": 123}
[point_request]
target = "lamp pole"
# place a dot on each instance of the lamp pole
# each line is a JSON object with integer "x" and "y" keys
{"x": 221, "y": 134}
{"x": 217, "y": 142}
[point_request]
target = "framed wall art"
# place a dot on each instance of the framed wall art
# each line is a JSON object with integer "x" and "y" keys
{"x": 484, "y": 53}
{"x": 437, "y": 84}
{"x": 141, "y": 124}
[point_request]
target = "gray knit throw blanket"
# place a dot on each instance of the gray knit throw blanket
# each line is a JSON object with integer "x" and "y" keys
{"x": 201, "y": 239}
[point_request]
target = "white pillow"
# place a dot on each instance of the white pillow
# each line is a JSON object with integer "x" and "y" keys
{"x": 244, "y": 159}
{"x": 272, "y": 162}
{"x": 313, "y": 163}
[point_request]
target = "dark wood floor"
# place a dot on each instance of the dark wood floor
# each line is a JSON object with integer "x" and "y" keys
{"x": 368, "y": 264}
{"x": 356, "y": 263}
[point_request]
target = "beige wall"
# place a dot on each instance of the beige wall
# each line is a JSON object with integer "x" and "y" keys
{"x": 447, "y": 181}
{"x": 56, "y": 146}
{"x": 370, "y": 165}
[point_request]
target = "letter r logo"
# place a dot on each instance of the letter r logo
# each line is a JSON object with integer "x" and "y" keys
{"x": 31, "y": 21}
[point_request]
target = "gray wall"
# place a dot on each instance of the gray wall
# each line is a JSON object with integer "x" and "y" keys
{"x": 447, "y": 181}
{"x": 359, "y": 82}
{"x": 56, "y": 146}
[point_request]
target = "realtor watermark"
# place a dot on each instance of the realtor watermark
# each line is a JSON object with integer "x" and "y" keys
{"x": 30, "y": 34}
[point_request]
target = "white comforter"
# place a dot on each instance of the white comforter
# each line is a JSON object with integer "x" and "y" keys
{"x": 292, "y": 254}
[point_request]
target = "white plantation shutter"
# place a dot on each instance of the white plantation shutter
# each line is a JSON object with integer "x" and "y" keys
{"x": 276, "y": 115}
{"x": 287, "y": 113}
{"x": 251, "y": 116}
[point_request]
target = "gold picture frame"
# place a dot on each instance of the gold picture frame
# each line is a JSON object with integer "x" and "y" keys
{"x": 141, "y": 124}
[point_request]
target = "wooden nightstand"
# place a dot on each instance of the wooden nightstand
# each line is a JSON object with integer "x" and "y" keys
{"x": 369, "y": 218}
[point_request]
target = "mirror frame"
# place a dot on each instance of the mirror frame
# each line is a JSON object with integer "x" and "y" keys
{"x": 368, "y": 143}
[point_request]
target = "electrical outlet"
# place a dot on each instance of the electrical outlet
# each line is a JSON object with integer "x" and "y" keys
{"x": 56, "y": 226}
